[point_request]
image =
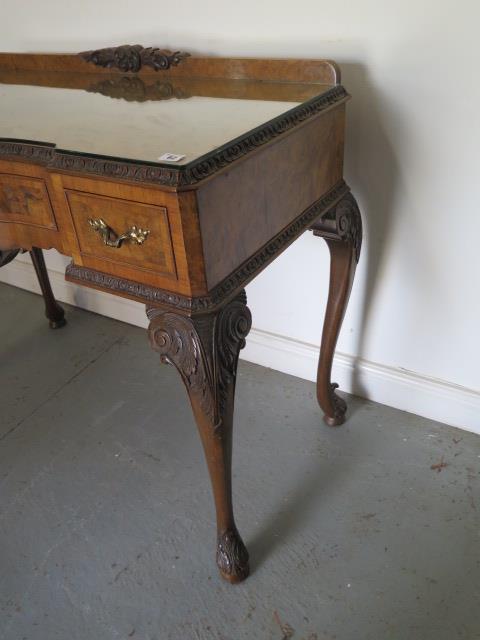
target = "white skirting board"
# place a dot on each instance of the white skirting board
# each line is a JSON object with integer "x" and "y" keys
{"x": 428, "y": 397}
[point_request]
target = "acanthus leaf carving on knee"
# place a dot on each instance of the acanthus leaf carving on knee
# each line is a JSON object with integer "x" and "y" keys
{"x": 233, "y": 325}
{"x": 205, "y": 350}
{"x": 176, "y": 339}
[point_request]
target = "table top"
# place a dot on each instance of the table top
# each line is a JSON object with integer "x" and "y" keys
{"x": 108, "y": 120}
{"x": 176, "y": 125}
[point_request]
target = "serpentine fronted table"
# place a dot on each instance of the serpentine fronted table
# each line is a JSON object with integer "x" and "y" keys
{"x": 173, "y": 180}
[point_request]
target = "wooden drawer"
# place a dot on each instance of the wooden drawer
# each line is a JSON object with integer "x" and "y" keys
{"x": 154, "y": 254}
{"x": 25, "y": 199}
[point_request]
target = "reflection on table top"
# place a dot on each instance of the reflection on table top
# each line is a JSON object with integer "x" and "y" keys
{"x": 139, "y": 118}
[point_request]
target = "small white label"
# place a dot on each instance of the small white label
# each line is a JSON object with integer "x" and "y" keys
{"x": 171, "y": 157}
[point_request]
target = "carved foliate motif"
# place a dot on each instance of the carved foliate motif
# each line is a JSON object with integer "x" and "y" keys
{"x": 205, "y": 351}
{"x": 232, "y": 555}
{"x": 132, "y": 57}
{"x": 41, "y": 153}
{"x": 342, "y": 222}
{"x": 234, "y": 322}
{"x": 177, "y": 340}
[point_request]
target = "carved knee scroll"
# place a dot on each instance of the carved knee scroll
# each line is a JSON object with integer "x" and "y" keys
{"x": 343, "y": 222}
{"x": 205, "y": 350}
{"x": 341, "y": 227}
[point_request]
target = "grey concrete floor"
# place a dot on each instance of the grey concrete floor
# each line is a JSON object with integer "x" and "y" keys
{"x": 106, "y": 517}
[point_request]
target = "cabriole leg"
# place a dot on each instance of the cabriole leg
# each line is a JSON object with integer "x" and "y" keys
{"x": 341, "y": 228}
{"x": 53, "y": 311}
{"x": 205, "y": 349}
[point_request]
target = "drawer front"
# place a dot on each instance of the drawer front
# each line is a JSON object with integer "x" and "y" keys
{"x": 25, "y": 199}
{"x": 90, "y": 212}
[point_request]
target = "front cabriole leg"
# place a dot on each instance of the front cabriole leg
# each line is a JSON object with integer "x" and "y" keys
{"x": 205, "y": 349}
{"x": 341, "y": 227}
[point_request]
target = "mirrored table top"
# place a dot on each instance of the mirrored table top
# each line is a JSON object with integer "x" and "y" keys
{"x": 129, "y": 117}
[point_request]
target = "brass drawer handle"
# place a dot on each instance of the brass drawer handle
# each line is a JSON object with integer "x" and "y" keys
{"x": 110, "y": 238}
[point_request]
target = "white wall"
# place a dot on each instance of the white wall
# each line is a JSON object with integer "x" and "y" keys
{"x": 412, "y": 329}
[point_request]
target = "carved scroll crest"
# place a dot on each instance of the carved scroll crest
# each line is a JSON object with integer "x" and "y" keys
{"x": 129, "y": 57}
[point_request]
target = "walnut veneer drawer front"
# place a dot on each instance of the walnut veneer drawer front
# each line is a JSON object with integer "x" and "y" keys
{"x": 25, "y": 199}
{"x": 122, "y": 231}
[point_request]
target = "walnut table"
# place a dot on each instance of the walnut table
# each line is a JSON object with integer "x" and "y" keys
{"x": 174, "y": 180}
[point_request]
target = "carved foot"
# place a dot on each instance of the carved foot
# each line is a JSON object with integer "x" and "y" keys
{"x": 339, "y": 408}
{"x": 232, "y": 557}
{"x": 341, "y": 227}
